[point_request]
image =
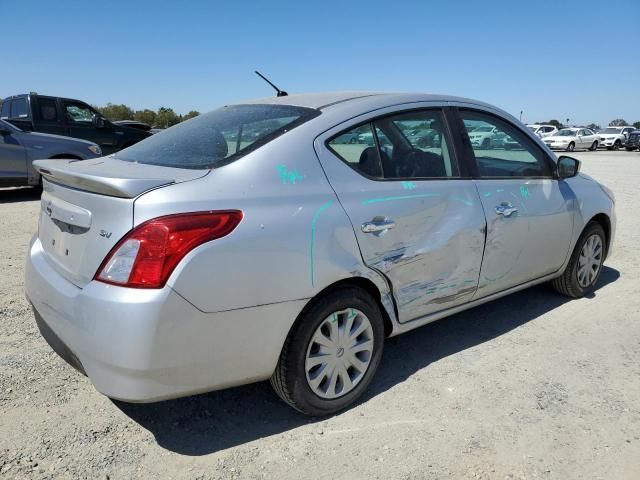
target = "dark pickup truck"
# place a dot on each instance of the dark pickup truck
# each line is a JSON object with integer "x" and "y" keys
{"x": 70, "y": 118}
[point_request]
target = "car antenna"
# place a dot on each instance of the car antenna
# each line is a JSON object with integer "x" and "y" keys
{"x": 280, "y": 93}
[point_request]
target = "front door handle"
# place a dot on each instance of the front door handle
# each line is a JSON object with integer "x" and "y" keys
{"x": 378, "y": 226}
{"x": 506, "y": 209}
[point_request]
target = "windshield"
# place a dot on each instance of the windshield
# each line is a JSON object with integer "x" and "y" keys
{"x": 566, "y": 133}
{"x": 218, "y": 137}
{"x": 611, "y": 130}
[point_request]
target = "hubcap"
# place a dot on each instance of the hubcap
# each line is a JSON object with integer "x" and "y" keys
{"x": 590, "y": 261}
{"x": 339, "y": 353}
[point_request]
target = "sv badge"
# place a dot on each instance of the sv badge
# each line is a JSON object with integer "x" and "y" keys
{"x": 105, "y": 234}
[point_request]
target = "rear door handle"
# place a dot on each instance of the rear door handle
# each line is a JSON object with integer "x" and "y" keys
{"x": 378, "y": 226}
{"x": 506, "y": 209}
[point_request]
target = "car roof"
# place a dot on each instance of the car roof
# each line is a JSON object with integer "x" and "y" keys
{"x": 324, "y": 101}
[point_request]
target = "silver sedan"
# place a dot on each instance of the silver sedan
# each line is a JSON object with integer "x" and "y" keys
{"x": 254, "y": 243}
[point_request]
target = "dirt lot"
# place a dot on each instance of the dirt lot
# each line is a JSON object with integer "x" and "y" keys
{"x": 531, "y": 386}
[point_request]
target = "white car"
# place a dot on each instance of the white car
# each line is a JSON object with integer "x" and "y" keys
{"x": 612, "y": 138}
{"x": 543, "y": 130}
{"x": 486, "y": 137}
{"x": 571, "y": 138}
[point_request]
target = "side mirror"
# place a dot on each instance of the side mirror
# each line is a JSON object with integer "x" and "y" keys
{"x": 568, "y": 167}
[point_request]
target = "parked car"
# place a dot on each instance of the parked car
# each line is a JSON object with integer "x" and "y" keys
{"x": 633, "y": 142}
{"x": 70, "y": 118}
{"x": 543, "y": 130}
{"x": 486, "y": 137}
{"x": 613, "y": 138}
{"x": 571, "y": 138}
{"x": 19, "y": 149}
{"x": 212, "y": 264}
{"x": 133, "y": 124}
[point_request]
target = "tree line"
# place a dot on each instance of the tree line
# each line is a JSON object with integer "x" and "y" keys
{"x": 162, "y": 118}
{"x": 618, "y": 122}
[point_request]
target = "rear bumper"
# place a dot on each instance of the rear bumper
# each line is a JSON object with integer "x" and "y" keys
{"x": 149, "y": 345}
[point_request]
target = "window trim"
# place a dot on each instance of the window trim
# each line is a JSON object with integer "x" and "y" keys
{"x": 470, "y": 156}
{"x": 453, "y": 151}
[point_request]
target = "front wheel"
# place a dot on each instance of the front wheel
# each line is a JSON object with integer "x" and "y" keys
{"x": 585, "y": 264}
{"x": 331, "y": 354}
{"x": 571, "y": 147}
{"x": 594, "y": 146}
{"x": 617, "y": 145}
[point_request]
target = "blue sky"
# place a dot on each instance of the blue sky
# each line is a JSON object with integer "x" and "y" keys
{"x": 564, "y": 59}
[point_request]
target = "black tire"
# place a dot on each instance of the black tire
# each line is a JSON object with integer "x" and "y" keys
{"x": 629, "y": 149}
{"x": 567, "y": 284}
{"x": 571, "y": 147}
{"x": 594, "y": 146}
{"x": 486, "y": 144}
{"x": 617, "y": 145}
{"x": 290, "y": 379}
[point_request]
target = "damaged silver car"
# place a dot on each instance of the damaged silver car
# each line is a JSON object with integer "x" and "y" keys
{"x": 253, "y": 242}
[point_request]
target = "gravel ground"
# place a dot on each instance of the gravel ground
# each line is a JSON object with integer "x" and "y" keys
{"x": 530, "y": 386}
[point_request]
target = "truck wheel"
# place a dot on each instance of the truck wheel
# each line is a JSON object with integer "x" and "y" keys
{"x": 331, "y": 354}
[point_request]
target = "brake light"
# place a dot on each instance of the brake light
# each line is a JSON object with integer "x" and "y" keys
{"x": 147, "y": 255}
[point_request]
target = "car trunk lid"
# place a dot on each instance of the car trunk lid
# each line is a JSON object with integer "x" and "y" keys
{"x": 87, "y": 206}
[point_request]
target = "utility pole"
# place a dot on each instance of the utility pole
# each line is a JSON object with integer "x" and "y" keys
{"x": 520, "y": 115}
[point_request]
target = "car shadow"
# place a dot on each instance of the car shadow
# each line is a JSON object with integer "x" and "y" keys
{"x": 211, "y": 422}
{"x": 19, "y": 194}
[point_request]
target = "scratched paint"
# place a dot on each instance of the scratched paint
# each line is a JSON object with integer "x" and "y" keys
{"x": 400, "y": 197}
{"x": 313, "y": 233}
{"x": 408, "y": 185}
{"x": 524, "y": 191}
{"x": 288, "y": 176}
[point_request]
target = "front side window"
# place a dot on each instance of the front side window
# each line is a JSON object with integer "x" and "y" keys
{"x": 501, "y": 149}
{"x": 79, "y": 113}
{"x": 48, "y": 109}
{"x": 409, "y": 145}
{"x": 218, "y": 137}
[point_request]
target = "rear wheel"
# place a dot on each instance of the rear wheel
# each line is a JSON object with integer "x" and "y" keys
{"x": 571, "y": 147}
{"x": 331, "y": 354}
{"x": 585, "y": 265}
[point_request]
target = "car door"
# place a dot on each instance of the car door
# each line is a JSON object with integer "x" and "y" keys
{"x": 79, "y": 118}
{"x": 529, "y": 212}
{"x": 417, "y": 217}
{"x": 13, "y": 157}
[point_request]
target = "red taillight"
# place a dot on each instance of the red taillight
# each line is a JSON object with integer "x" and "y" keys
{"x": 146, "y": 256}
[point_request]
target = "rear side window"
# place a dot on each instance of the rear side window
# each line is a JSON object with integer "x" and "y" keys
{"x": 19, "y": 108}
{"x": 5, "y": 111}
{"x": 408, "y": 145}
{"x": 218, "y": 137}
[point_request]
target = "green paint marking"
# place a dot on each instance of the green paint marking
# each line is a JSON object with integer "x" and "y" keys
{"x": 288, "y": 176}
{"x": 352, "y": 314}
{"x": 408, "y": 185}
{"x": 499, "y": 190}
{"x": 313, "y": 233}
{"x": 488, "y": 194}
{"x": 524, "y": 191}
{"x": 335, "y": 318}
{"x": 401, "y": 197}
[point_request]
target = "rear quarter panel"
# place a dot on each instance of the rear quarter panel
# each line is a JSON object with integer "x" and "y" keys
{"x": 293, "y": 241}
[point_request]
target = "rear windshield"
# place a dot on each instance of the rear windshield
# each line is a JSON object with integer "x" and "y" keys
{"x": 218, "y": 137}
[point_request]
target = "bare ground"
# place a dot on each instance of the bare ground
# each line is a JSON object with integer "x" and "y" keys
{"x": 531, "y": 386}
